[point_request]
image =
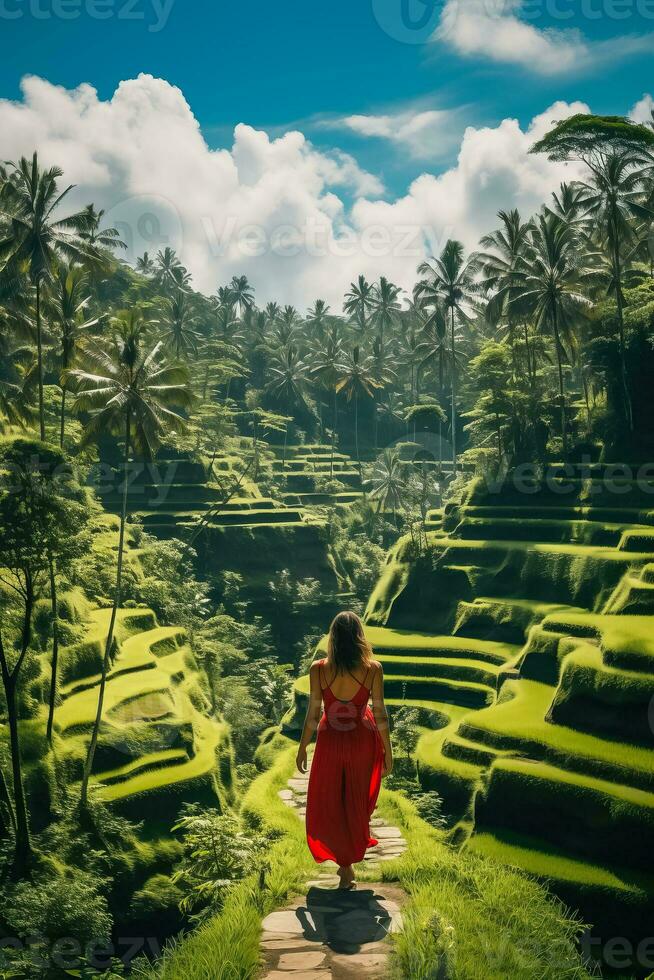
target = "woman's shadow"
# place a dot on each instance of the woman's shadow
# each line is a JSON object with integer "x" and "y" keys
{"x": 344, "y": 920}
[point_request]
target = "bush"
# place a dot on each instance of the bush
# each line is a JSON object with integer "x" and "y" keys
{"x": 67, "y": 912}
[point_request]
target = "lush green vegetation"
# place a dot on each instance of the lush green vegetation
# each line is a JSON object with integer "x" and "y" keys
{"x": 191, "y": 485}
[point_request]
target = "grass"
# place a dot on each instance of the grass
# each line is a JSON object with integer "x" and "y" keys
{"x": 227, "y": 946}
{"x": 557, "y": 773}
{"x": 156, "y": 746}
{"x": 470, "y": 918}
{"x": 466, "y": 917}
{"x": 554, "y": 864}
{"x": 517, "y": 723}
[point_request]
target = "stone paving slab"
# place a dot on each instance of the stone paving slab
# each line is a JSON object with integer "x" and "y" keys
{"x": 331, "y": 933}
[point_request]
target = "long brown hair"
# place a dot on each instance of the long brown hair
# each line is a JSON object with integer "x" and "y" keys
{"x": 347, "y": 646}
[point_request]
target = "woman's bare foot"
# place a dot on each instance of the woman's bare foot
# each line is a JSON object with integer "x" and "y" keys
{"x": 346, "y": 875}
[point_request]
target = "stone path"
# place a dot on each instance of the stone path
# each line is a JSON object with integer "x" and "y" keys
{"x": 332, "y": 933}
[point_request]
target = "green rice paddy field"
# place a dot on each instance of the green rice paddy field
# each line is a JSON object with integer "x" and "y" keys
{"x": 525, "y": 636}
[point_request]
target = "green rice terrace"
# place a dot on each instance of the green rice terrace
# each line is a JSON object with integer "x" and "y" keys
{"x": 173, "y": 494}
{"x": 192, "y": 486}
{"x": 525, "y": 638}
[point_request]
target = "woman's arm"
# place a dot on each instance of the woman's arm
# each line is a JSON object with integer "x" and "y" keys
{"x": 381, "y": 717}
{"x": 312, "y": 718}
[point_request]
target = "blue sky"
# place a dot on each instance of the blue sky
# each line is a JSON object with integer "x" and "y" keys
{"x": 287, "y": 63}
{"x": 379, "y": 127}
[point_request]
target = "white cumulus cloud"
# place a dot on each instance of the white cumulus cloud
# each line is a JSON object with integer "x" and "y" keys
{"x": 428, "y": 133}
{"x": 494, "y": 29}
{"x": 642, "y": 111}
{"x": 299, "y": 222}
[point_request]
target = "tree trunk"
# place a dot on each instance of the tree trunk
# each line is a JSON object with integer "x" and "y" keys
{"x": 589, "y": 414}
{"x": 7, "y": 815}
{"x": 23, "y": 846}
{"x": 88, "y": 765}
{"x": 334, "y": 419}
{"x": 530, "y": 374}
{"x": 623, "y": 359}
{"x": 557, "y": 343}
{"x": 62, "y": 421}
{"x": 356, "y": 430}
{"x": 453, "y": 408}
{"x": 55, "y": 650}
{"x": 39, "y": 360}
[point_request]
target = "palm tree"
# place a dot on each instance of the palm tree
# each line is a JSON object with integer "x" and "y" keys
{"x": 178, "y": 320}
{"x": 448, "y": 281}
{"x": 383, "y": 366}
{"x": 412, "y": 345}
{"x": 145, "y": 265}
{"x": 285, "y": 327}
{"x": 272, "y": 311}
{"x": 506, "y": 246}
{"x": 613, "y": 202}
{"x": 385, "y": 306}
{"x": 287, "y": 383}
{"x": 100, "y": 237}
{"x": 548, "y": 279}
{"x": 317, "y": 317}
{"x": 389, "y": 482}
{"x": 569, "y": 205}
{"x": 66, "y": 309}
{"x": 128, "y": 391}
{"x": 169, "y": 271}
{"x": 359, "y": 302}
{"x": 325, "y": 358}
{"x": 356, "y": 380}
{"x": 30, "y": 200}
{"x": 288, "y": 377}
{"x": 242, "y": 293}
{"x": 17, "y": 367}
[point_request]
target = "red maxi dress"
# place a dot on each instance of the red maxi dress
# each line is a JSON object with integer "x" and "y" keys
{"x": 345, "y": 778}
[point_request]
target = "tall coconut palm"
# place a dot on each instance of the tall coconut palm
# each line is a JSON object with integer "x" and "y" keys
{"x": 288, "y": 377}
{"x": 96, "y": 236}
{"x": 385, "y": 306}
{"x": 503, "y": 248}
{"x": 359, "y": 302}
{"x": 242, "y": 293}
{"x": 66, "y": 309}
{"x": 127, "y": 390}
{"x": 325, "y": 358}
{"x": 613, "y": 202}
{"x": 285, "y": 327}
{"x": 30, "y": 202}
{"x": 383, "y": 370}
{"x": 448, "y": 281}
{"x": 288, "y": 383}
{"x": 178, "y": 321}
{"x": 389, "y": 482}
{"x": 549, "y": 279}
{"x": 145, "y": 265}
{"x": 272, "y": 311}
{"x": 317, "y": 317}
{"x": 356, "y": 381}
{"x": 170, "y": 274}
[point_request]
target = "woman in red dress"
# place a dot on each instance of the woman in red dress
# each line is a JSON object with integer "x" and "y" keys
{"x": 353, "y": 748}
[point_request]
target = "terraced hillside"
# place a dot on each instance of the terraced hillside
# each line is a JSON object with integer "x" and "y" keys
{"x": 171, "y": 494}
{"x": 158, "y": 745}
{"x": 525, "y": 635}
